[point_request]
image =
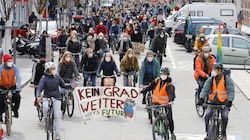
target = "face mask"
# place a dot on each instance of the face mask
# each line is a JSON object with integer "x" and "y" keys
{"x": 90, "y": 55}
{"x": 206, "y": 54}
{"x": 101, "y": 23}
{"x": 101, "y": 37}
{"x": 74, "y": 40}
{"x": 113, "y": 24}
{"x": 164, "y": 77}
{"x": 67, "y": 59}
{"x": 150, "y": 59}
{"x": 107, "y": 59}
{"x": 161, "y": 36}
{"x": 125, "y": 39}
{"x": 202, "y": 39}
{"x": 213, "y": 73}
{"x": 136, "y": 32}
{"x": 9, "y": 64}
{"x": 130, "y": 55}
{"x": 151, "y": 28}
{"x": 53, "y": 72}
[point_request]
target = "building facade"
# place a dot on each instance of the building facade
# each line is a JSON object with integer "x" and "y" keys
{"x": 245, "y": 7}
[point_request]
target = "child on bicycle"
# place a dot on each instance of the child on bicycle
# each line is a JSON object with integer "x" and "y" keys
{"x": 108, "y": 67}
{"x": 163, "y": 93}
{"x": 50, "y": 83}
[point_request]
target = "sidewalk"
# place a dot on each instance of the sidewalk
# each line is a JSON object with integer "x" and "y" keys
{"x": 241, "y": 79}
{"x": 245, "y": 29}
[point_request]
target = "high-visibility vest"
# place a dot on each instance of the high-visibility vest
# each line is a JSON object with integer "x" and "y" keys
{"x": 160, "y": 95}
{"x": 219, "y": 90}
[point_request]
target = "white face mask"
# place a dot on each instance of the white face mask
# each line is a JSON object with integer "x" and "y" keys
{"x": 130, "y": 55}
{"x": 164, "y": 77}
{"x": 101, "y": 23}
{"x": 74, "y": 40}
{"x": 90, "y": 55}
{"x": 213, "y": 73}
{"x": 107, "y": 59}
{"x": 136, "y": 32}
{"x": 161, "y": 36}
{"x": 206, "y": 54}
{"x": 150, "y": 59}
{"x": 125, "y": 38}
{"x": 67, "y": 59}
{"x": 9, "y": 64}
{"x": 202, "y": 39}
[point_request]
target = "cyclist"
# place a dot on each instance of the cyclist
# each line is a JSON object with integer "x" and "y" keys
{"x": 37, "y": 73}
{"x": 107, "y": 66}
{"x": 200, "y": 42}
{"x": 61, "y": 42}
{"x": 150, "y": 69}
{"x": 219, "y": 89}
{"x": 100, "y": 45}
{"x": 67, "y": 68}
{"x": 89, "y": 63}
{"x": 136, "y": 36}
{"x": 129, "y": 63}
{"x": 159, "y": 45}
{"x": 50, "y": 83}
{"x": 203, "y": 66}
{"x": 151, "y": 34}
{"x": 123, "y": 45}
{"x": 101, "y": 29}
{"x": 114, "y": 30}
{"x": 91, "y": 38}
{"x": 163, "y": 93}
{"x": 10, "y": 79}
{"x": 73, "y": 46}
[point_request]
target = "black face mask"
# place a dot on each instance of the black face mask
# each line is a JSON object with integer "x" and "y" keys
{"x": 42, "y": 61}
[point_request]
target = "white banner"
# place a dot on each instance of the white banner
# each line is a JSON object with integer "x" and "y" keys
{"x": 107, "y": 101}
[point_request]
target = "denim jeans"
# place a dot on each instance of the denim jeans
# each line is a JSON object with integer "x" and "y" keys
{"x": 57, "y": 113}
{"x": 92, "y": 77}
{"x": 224, "y": 115}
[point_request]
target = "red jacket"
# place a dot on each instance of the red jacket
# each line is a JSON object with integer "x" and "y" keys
{"x": 101, "y": 29}
{"x": 199, "y": 66}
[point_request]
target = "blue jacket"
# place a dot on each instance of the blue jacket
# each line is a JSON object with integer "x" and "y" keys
{"x": 156, "y": 70}
{"x": 208, "y": 85}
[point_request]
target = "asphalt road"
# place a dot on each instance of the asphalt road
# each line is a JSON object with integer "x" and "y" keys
{"x": 188, "y": 126}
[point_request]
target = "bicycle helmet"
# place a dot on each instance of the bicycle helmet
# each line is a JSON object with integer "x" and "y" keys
{"x": 165, "y": 70}
{"x": 217, "y": 66}
{"x": 49, "y": 65}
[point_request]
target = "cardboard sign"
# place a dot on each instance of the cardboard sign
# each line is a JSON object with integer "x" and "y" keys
{"x": 107, "y": 101}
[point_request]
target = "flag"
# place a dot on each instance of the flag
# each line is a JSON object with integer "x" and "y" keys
{"x": 219, "y": 48}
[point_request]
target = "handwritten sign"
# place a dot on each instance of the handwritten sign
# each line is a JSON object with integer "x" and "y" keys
{"x": 107, "y": 101}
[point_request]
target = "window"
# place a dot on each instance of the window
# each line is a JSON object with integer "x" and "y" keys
{"x": 226, "y": 12}
{"x": 199, "y": 13}
{"x": 225, "y": 41}
{"x": 240, "y": 43}
{"x": 192, "y": 13}
{"x": 207, "y": 31}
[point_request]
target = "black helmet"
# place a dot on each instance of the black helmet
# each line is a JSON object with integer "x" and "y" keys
{"x": 165, "y": 70}
{"x": 217, "y": 66}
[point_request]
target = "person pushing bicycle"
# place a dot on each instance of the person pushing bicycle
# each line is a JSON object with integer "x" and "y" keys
{"x": 163, "y": 93}
{"x": 219, "y": 89}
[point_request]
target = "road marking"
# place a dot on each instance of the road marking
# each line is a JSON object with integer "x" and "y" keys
{"x": 201, "y": 137}
{"x": 171, "y": 57}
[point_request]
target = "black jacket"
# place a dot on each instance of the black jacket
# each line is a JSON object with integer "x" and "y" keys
{"x": 37, "y": 72}
{"x": 74, "y": 47}
{"x": 89, "y": 64}
{"x": 159, "y": 43}
{"x": 136, "y": 37}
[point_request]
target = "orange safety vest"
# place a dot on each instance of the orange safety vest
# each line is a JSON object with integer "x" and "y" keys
{"x": 160, "y": 95}
{"x": 220, "y": 90}
{"x": 7, "y": 78}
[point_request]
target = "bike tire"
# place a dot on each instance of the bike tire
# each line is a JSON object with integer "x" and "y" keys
{"x": 247, "y": 64}
{"x": 63, "y": 108}
{"x": 70, "y": 104}
{"x": 8, "y": 120}
{"x": 39, "y": 113}
{"x": 212, "y": 131}
{"x": 159, "y": 130}
{"x": 200, "y": 109}
{"x": 149, "y": 111}
{"x": 47, "y": 127}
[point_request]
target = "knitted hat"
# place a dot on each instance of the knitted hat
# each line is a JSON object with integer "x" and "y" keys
{"x": 6, "y": 57}
{"x": 149, "y": 53}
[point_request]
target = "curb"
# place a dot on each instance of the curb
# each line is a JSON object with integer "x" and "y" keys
{"x": 26, "y": 83}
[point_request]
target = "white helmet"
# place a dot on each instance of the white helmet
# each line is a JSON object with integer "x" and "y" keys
{"x": 49, "y": 65}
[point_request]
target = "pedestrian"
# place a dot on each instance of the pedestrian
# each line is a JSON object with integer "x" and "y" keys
{"x": 240, "y": 19}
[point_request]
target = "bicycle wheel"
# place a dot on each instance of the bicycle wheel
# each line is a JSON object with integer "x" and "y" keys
{"x": 149, "y": 103}
{"x": 47, "y": 127}
{"x": 8, "y": 119}
{"x": 70, "y": 104}
{"x": 159, "y": 130}
{"x": 63, "y": 106}
{"x": 200, "y": 109}
{"x": 247, "y": 64}
{"x": 212, "y": 131}
{"x": 40, "y": 112}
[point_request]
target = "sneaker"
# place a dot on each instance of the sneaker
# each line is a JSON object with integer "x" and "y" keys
{"x": 16, "y": 115}
{"x": 173, "y": 137}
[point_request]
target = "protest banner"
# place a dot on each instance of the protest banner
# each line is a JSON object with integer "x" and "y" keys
{"x": 97, "y": 102}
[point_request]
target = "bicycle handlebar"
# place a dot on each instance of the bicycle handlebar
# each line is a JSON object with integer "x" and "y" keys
{"x": 163, "y": 105}
{"x": 89, "y": 72}
{"x": 214, "y": 106}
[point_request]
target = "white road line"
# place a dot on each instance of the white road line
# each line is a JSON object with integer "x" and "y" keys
{"x": 171, "y": 57}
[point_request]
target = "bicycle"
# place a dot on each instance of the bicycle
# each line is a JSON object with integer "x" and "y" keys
{"x": 39, "y": 109}
{"x": 160, "y": 127}
{"x": 215, "y": 122}
{"x": 8, "y": 108}
{"x": 50, "y": 120}
{"x": 89, "y": 82}
{"x": 200, "y": 109}
{"x": 158, "y": 56}
{"x": 130, "y": 78}
{"x": 148, "y": 104}
{"x": 61, "y": 52}
{"x": 247, "y": 64}
{"x": 113, "y": 43}
{"x": 68, "y": 103}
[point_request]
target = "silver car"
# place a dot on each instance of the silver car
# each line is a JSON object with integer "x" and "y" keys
{"x": 235, "y": 48}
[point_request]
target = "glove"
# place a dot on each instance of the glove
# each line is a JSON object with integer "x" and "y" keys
{"x": 98, "y": 75}
{"x": 229, "y": 104}
{"x": 118, "y": 74}
{"x": 201, "y": 101}
{"x": 165, "y": 55}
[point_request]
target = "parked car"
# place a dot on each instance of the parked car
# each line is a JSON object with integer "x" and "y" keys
{"x": 211, "y": 29}
{"x": 179, "y": 34}
{"x": 235, "y": 48}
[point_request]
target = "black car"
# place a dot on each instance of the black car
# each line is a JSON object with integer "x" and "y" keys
{"x": 179, "y": 35}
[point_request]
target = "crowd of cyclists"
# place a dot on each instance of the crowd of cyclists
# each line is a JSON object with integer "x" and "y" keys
{"x": 85, "y": 53}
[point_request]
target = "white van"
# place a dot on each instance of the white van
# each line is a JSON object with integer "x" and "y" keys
{"x": 225, "y": 12}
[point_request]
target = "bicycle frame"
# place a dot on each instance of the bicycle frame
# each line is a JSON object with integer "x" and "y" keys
{"x": 130, "y": 80}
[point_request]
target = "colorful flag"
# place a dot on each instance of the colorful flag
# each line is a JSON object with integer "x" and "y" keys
{"x": 219, "y": 48}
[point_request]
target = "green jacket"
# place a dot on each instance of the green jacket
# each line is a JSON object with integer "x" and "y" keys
{"x": 156, "y": 70}
{"x": 208, "y": 85}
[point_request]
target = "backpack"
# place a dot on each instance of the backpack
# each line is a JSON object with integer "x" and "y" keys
{"x": 144, "y": 25}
